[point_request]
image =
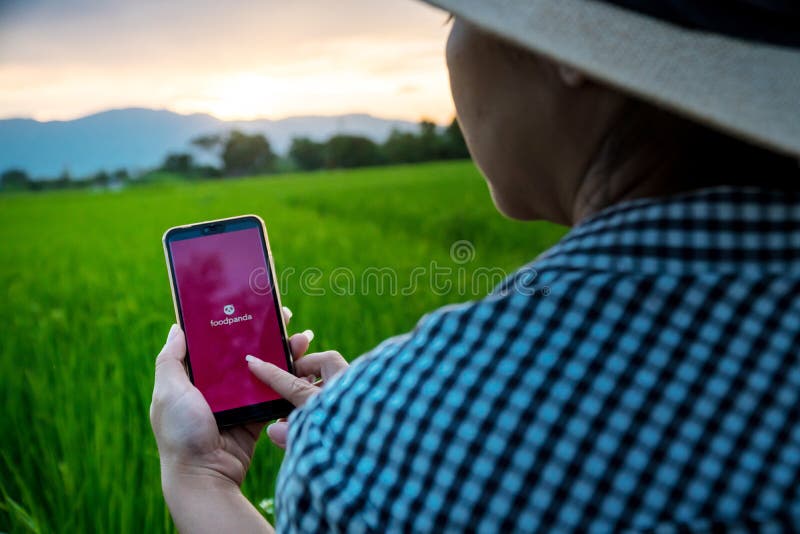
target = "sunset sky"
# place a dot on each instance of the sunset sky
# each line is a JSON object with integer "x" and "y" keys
{"x": 235, "y": 59}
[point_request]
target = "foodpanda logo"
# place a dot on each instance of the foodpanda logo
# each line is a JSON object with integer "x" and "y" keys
{"x": 229, "y": 310}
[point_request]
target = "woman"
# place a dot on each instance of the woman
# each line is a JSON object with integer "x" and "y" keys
{"x": 656, "y": 383}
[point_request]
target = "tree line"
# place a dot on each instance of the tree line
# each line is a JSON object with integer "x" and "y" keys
{"x": 239, "y": 154}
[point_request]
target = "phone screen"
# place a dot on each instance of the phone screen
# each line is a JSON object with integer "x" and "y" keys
{"x": 229, "y": 307}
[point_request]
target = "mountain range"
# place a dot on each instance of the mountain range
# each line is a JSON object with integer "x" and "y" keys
{"x": 137, "y": 139}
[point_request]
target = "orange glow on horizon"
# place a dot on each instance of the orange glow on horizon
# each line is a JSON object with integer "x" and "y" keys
{"x": 245, "y": 68}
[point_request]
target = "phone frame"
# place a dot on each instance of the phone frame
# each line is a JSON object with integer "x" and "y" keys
{"x": 264, "y": 411}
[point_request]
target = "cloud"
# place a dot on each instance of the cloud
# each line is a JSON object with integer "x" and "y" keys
{"x": 62, "y": 58}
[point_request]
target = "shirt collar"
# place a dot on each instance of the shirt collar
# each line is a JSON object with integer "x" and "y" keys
{"x": 720, "y": 230}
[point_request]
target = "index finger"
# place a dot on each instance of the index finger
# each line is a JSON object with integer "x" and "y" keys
{"x": 292, "y": 388}
{"x": 325, "y": 365}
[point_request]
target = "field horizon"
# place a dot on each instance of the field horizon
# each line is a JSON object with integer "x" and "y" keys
{"x": 87, "y": 308}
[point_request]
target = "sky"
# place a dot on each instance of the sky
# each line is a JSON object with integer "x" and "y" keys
{"x": 235, "y": 59}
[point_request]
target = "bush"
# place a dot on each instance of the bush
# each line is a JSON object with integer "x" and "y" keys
{"x": 15, "y": 180}
{"x": 308, "y": 155}
{"x": 180, "y": 163}
{"x": 345, "y": 151}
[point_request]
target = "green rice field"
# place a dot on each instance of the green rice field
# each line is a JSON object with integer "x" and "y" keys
{"x": 86, "y": 307}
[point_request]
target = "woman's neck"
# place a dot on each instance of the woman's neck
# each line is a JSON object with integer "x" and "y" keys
{"x": 636, "y": 178}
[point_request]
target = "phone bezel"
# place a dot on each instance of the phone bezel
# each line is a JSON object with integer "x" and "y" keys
{"x": 264, "y": 411}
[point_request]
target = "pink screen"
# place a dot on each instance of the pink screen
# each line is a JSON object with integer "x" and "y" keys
{"x": 229, "y": 312}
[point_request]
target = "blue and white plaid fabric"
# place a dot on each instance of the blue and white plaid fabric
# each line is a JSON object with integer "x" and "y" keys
{"x": 644, "y": 374}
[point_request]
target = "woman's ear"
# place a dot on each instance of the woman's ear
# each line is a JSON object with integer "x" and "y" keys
{"x": 570, "y": 77}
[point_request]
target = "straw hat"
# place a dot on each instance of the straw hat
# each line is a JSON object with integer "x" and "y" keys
{"x": 735, "y": 68}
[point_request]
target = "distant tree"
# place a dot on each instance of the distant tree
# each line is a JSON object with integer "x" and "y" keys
{"x": 209, "y": 143}
{"x": 247, "y": 154}
{"x": 118, "y": 179}
{"x": 351, "y": 151}
{"x": 178, "y": 163}
{"x": 429, "y": 141}
{"x": 101, "y": 179}
{"x": 64, "y": 181}
{"x": 120, "y": 176}
{"x": 455, "y": 146}
{"x": 15, "y": 180}
{"x": 402, "y": 147}
{"x": 308, "y": 155}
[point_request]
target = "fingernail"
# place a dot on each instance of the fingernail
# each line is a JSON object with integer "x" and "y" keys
{"x": 252, "y": 359}
{"x": 288, "y": 313}
{"x": 173, "y": 331}
{"x": 277, "y": 432}
{"x": 309, "y": 335}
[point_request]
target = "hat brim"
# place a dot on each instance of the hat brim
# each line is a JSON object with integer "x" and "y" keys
{"x": 746, "y": 89}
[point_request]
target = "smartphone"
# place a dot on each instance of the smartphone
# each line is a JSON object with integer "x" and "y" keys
{"x": 227, "y": 303}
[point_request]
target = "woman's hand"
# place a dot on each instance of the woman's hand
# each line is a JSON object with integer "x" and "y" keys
{"x": 184, "y": 426}
{"x": 202, "y": 467}
{"x": 313, "y": 370}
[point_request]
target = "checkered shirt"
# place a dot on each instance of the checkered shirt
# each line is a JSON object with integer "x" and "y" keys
{"x": 643, "y": 374}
